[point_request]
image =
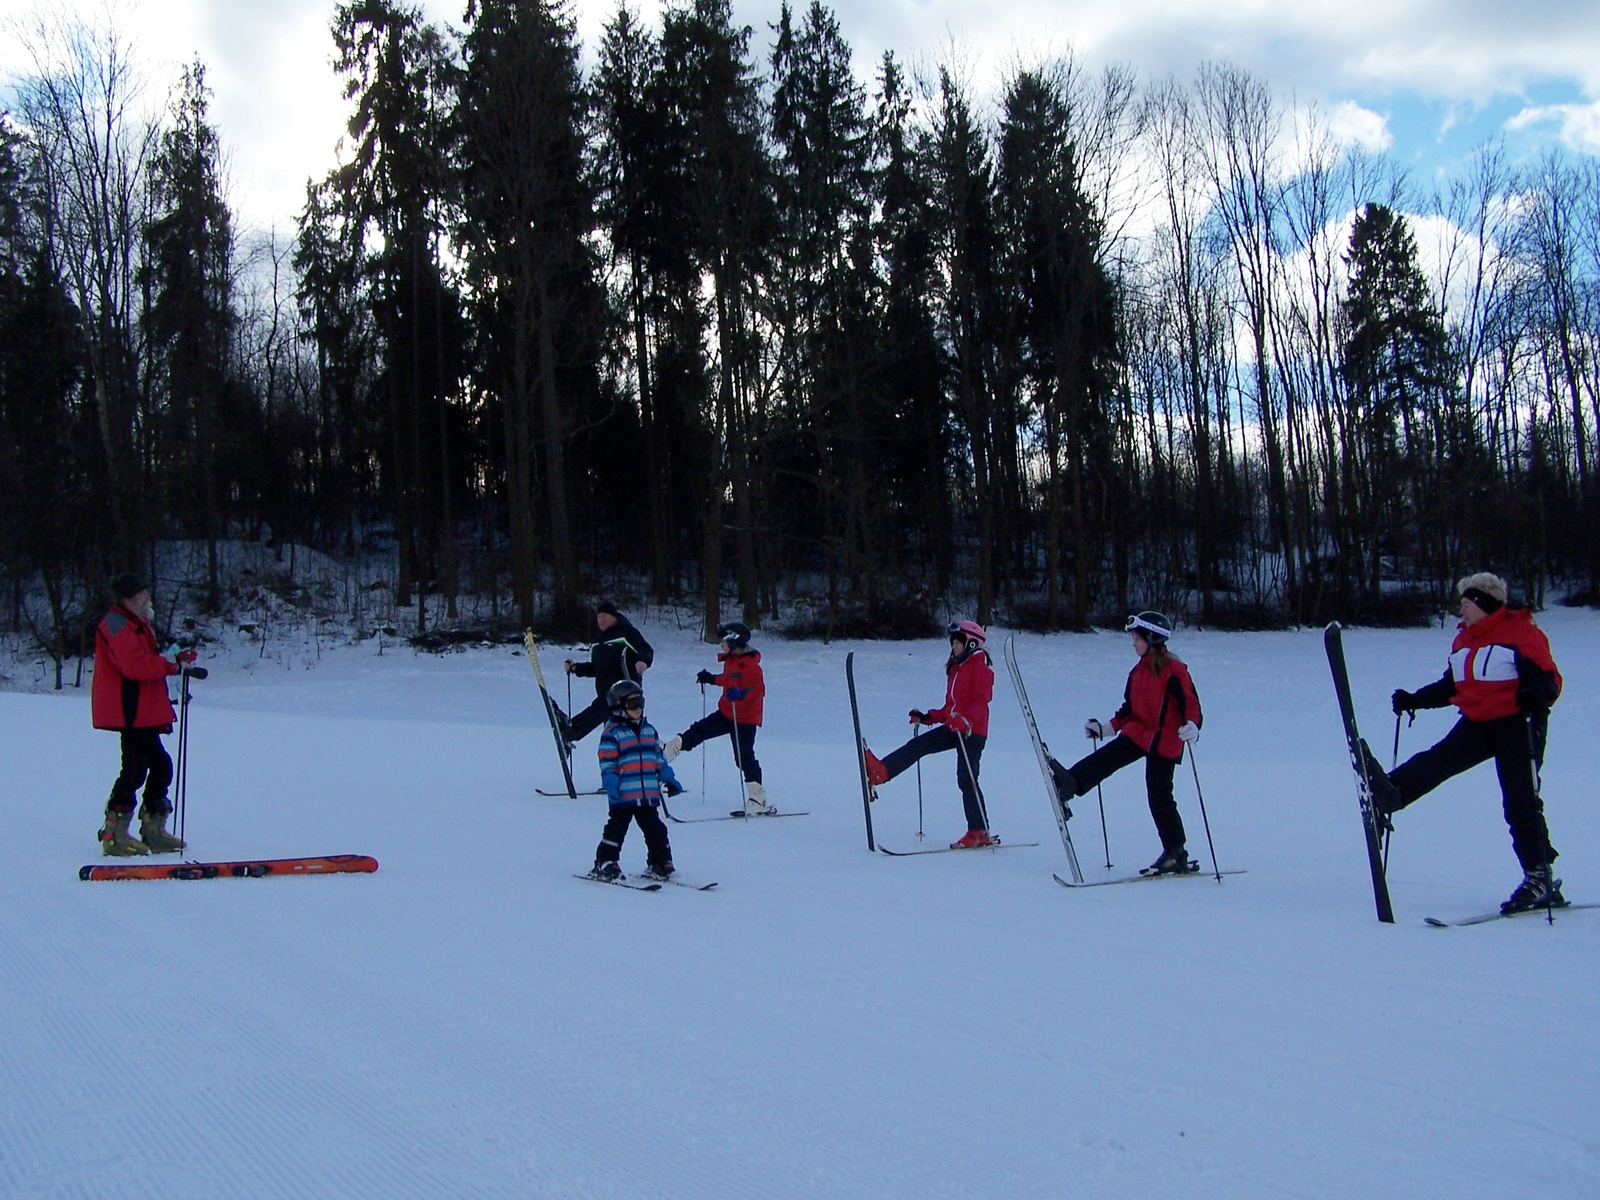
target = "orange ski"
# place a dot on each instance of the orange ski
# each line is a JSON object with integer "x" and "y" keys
{"x": 331, "y": 864}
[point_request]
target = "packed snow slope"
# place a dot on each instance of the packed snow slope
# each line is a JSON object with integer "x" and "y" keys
{"x": 473, "y": 1021}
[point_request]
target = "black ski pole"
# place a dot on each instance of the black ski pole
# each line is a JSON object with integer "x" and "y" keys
{"x": 702, "y": 746}
{"x": 569, "y": 709}
{"x": 183, "y": 745}
{"x": 1199, "y": 795}
{"x": 916, "y": 732}
{"x": 738, "y": 758}
{"x": 983, "y": 806}
{"x": 1100, "y": 795}
{"x": 1549, "y": 851}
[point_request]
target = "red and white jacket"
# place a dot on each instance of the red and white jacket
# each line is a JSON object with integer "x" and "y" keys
{"x": 130, "y": 688}
{"x": 968, "y": 688}
{"x": 1499, "y": 667}
{"x": 744, "y": 688}
{"x": 1154, "y": 704}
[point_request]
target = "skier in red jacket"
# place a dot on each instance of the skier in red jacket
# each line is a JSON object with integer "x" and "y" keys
{"x": 738, "y": 715}
{"x": 1503, "y": 681}
{"x": 1160, "y": 715}
{"x": 963, "y": 722}
{"x": 129, "y": 695}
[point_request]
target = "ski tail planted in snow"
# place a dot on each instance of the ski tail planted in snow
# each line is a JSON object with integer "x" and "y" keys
{"x": 1359, "y": 758}
{"x": 861, "y": 746}
{"x": 1042, "y": 752}
{"x": 550, "y": 712}
{"x": 330, "y": 864}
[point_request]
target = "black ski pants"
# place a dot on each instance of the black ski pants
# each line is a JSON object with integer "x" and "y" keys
{"x": 1508, "y": 741}
{"x": 144, "y": 761}
{"x": 1122, "y": 751}
{"x": 585, "y": 721}
{"x": 658, "y": 850}
{"x": 742, "y": 737}
{"x": 939, "y": 740}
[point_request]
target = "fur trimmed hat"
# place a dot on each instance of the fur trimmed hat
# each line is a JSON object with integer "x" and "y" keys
{"x": 127, "y": 585}
{"x": 1485, "y": 590}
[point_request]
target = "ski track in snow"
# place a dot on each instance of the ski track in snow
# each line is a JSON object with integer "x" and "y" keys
{"x": 470, "y": 1021}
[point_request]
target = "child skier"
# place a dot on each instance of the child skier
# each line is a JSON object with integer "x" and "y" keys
{"x": 634, "y": 774}
{"x": 1160, "y": 715}
{"x": 1503, "y": 681}
{"x": 738, "y": 714}
{"x": 964, "y": 728}
{"x": 130, "y": 696}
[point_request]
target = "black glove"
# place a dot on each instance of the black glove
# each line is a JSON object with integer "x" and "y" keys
{"x": 671, "y": 788}
{"x": 1533, "y": 699}
{"x": 1403, "y": 702}
{"x": 704, "y": 678}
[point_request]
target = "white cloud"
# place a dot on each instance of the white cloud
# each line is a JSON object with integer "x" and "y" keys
{"x": 1580, "y": 123}
{"x": 1351, "y": 125}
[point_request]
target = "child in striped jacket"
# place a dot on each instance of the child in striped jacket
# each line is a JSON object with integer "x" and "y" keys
{"x": 634, "y": 774}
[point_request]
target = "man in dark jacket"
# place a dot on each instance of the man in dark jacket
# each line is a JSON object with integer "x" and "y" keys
{"x": 621, "y": 653}
{"x": 129, "y": 696}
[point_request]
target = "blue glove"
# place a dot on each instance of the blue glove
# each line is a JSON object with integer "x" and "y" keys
{"x": 669, "y": 781}
{"x": 735, "y": 693}
{"x": 609, "y": 781}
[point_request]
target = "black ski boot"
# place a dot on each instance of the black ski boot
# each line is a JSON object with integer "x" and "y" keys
{"x": 1172, "y": 862}
{"x": 1385, "y": 796}
{"x": 661, "y": 872}
{"x": 608, "y": 871}
{"x": 1537, "y": 890}
{"x": 1066, "y": 787}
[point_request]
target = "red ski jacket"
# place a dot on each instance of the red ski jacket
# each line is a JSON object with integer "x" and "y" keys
{"x": 130, "y": 690}
{"x": 968, "y": 688}
{"x": 1154, "y": 704}
{"x": 742, "y": 674}
{"x": 1499, "y": 667}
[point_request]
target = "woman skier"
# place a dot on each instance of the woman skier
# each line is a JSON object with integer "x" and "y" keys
{"x": 1503, "y": 681}
{"x": 738, "y": 714}
{"x": 634, "y": 775}
{"x": 129, "y": 696}
{"x": 963, "y": 723}
{"x": 1160, "y": 715}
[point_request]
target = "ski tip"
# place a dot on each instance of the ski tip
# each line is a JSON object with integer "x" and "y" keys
{"x": 1435, "y": 923}
{"x": 85, "y": 873}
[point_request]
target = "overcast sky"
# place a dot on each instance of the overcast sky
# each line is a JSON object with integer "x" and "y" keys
{"x": 1426, "y": 79}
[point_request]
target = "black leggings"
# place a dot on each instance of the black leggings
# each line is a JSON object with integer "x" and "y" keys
{"x": 1122, "y": 751}
{"x": 744, "y": 747}
{"x": 1507, "y": 741}
{"x": 144, "y": 760}
{"x": 941, "y": 739}
{"x": 658, "y": 851}
{"x": 585, "y": 721}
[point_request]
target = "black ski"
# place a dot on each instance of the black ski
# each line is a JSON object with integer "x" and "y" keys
{"x": 676, "y": 882}
{"x": 997, "y": 844}
{"x": 1360, "y": 756}
{"x": 550, "y": 711}
{"x": 1196, "y": 873}
{"x": 867, "y": 794}
{"x": 565, "y": 796}
{"x": 1042, "y": 753}
{"x": 620, "y": 881}
{"x": 737, "y": 816}
{"x": 1485, "y": 918}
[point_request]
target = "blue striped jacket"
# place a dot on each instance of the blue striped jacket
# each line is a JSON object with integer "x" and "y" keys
{"x": 632, "y": 767}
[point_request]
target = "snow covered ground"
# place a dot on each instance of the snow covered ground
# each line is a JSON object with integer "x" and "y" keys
{"x": 472, "y": 1021}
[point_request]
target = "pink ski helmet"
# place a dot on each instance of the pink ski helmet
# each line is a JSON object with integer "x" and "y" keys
{"x": 970, "y": 631}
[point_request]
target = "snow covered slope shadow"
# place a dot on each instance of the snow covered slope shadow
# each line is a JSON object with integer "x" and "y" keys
{"x": 472, "y": 1021}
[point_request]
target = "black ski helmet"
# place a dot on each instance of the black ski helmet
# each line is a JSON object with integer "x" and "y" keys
{"x": 735, "y": 633}
{"x": 1151, "y": 625}
{"x": 620, "y": 693}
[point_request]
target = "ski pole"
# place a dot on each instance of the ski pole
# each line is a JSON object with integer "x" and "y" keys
{"x": 916, "y": 732}
{"x": 702, "y": 746}
{"x": 1100, "y": 795}
{"x": 983, "y": 807}
{"x": 569, "y": 709}
{"x": 738, "y": 758}
{"x": 1549, "y": 851}
{"x": 1199, "y": 795}
{"x": 182, "y": 789}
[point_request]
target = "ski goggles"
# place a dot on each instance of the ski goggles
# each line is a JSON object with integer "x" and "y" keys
{"x": 1140, "y": 622}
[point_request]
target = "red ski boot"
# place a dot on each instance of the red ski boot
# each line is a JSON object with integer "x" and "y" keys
{"x": 876, "y": 772}
{"x": 975, "y": 839}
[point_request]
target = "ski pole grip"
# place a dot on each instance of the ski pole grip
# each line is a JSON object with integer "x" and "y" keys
{"x": 195, "y": 672}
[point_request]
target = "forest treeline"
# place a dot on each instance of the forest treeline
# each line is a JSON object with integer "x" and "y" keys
{"x": 701, "y": 314}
